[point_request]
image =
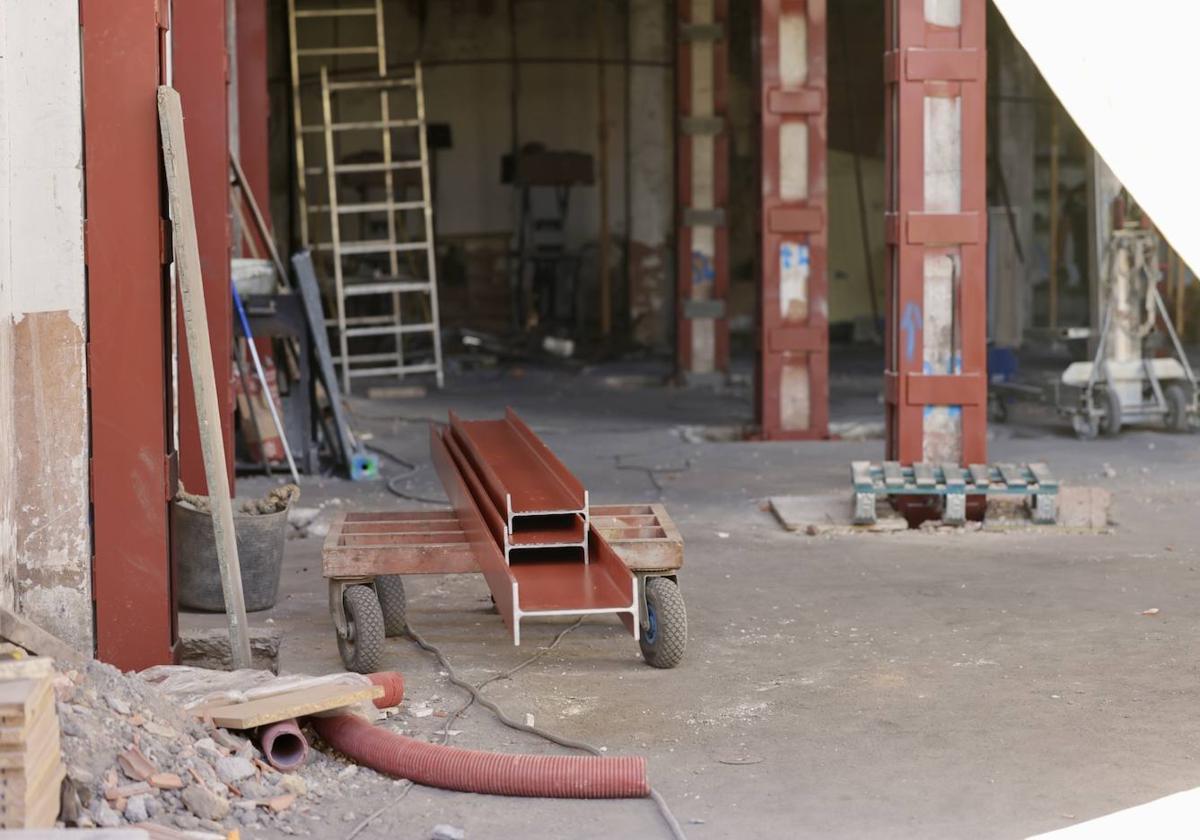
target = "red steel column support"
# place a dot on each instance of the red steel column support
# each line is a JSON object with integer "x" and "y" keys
{"x": 128, "y": 331}
{"x": 202, "y": 78}
{"x": 254, "y": 110}
{"x": 935, "y": 380}
{"x": 702, "y": 189}
{"x": 793, "y": 339}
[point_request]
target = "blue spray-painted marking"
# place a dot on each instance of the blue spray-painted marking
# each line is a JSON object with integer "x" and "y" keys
{"x": 957, "y": 367}
{"x": 703, "y": 269}
{"x": 910, "y": 322}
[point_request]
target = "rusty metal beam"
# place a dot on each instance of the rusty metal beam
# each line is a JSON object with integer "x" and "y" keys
{"x": 935, "y": 382}
{"x": 128, "y": 341}
{"x": 793, "y": 351}
{"x": 201, "y": 77}
{"x": 480, "y": 462}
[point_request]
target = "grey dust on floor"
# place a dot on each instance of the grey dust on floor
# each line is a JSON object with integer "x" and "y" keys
{"x": 965, "y": 684}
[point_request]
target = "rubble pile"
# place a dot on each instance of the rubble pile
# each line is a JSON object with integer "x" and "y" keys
{"x": 133, "y": 757}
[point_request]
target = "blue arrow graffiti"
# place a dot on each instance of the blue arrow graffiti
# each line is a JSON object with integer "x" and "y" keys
{"x": 910, "y": 322}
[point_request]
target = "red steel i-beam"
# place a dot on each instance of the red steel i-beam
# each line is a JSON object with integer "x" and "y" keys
{"x": 793, "y": 340}
{"x": 128, "y": 337}
{"x": 254, "y": 110}
{"x": 201, "y": 75}
{"x": 936, "y": 231}
{"x": 702, "y": 190}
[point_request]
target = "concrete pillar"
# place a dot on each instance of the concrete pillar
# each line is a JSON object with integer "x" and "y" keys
{"x": 45, "y": 538}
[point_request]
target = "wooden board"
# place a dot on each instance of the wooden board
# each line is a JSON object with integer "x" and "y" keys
{"x": 290, "y": 704}
{"x": 404, "y": 543}
{"x": 21, "y": 699}
{"x": 42, "y": 741}
{"x": 200, "y": 354}
{"x": 892, "y": 474}
{"x": 1012, "y": 475}
{"x": 952, "y": 475}
{"x": 39, "y": 809}
{"x": 923, "y": 473}
{"x": 26, "y": 668}
{"x": 643, "y": 536}
{"x": 28, "y": 635}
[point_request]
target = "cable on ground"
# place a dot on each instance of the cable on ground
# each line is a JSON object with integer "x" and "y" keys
{"x": 476, "y": 697}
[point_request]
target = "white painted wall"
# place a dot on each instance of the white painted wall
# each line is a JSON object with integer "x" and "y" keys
{"x": 44, "y": 531}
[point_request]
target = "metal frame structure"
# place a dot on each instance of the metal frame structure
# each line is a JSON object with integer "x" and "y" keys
{"x": 702, "y": 189}
{"x": 133, "y": 467}
{"x": 793, "y": 351}
{"x": 201, "y": 75}
{"x": 936, "y": 231}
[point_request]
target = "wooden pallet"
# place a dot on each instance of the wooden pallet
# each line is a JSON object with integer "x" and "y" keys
{"x": 955, "y": 483}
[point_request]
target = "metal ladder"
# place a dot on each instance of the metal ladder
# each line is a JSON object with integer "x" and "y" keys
{"x": 345, "y": 252}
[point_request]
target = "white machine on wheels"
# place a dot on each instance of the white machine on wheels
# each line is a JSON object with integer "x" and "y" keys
{"x": 1121, "y": 385}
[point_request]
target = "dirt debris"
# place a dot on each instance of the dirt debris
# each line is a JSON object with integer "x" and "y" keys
{"x": 133, "y": 757}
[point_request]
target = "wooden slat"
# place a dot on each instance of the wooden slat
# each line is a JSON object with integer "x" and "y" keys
{"x": 980, "y": 475}
{"x": 204, "y": 381}
{"x": 291, "y": 704}
{"x": 923, "y": 473}
{"x": 1012, "y": 474}
{"x": 1042, "y": 475}
{"x": 860, "y": 472}
{"x": 952, "y": 475}
{"x": 892, "y": 474}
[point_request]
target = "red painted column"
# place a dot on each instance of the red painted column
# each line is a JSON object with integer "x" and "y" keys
{"x": 128, "y": 332}
{"x": 793, "y": 339}
{"x": 254, "y": 109}
{"x": 936, "y": 357}
{"x": 702, "y": 190}
{"x": 202, "y": 79}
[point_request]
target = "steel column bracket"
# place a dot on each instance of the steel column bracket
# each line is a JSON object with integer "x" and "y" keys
{"x": 799, "y": 339}
{"x": 804, "y": 102}
{"x": 703, "y": 309}
{"x": 934, "y": 229}
{"x": 934, "y": 65}
{"x": 920, "y": 389}
{"x": 704, "y": 217}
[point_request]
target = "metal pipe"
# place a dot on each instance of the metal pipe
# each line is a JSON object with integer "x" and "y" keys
{"x": 284, "y": 745}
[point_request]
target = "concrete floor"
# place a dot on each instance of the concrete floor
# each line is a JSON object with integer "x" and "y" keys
{"x": 903, "y": 685}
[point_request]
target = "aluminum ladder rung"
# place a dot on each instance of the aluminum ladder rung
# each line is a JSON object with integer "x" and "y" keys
{"x": 398, "y": 370}
{"x": 369, "y": 207}
{"x": 387, "y": 288}
{"x": 350, "y": 11}
{"x": 358, "y": 320}
{"x": 390, "y": 329}
{"x": 373, "y": 246}
{"x": 368, "y": 125}
{"x": 373, "y": 84}
{"x": 316, "y": 52}
{"x": 345, "y": 168}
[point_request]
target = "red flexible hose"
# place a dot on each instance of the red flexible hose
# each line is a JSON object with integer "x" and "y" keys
{"x": 475, "y": 771}
{"x": 393, "y": 688}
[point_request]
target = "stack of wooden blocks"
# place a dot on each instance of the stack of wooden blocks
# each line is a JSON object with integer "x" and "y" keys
{"x": 31, "y": 767}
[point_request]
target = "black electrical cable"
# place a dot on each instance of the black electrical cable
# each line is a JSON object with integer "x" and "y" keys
{"x": 669, "y": 818}
{"x": 394, "y": 481}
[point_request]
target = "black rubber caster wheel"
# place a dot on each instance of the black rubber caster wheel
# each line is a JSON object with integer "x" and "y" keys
{"x": 1110, "y": 423}
{"x": 362, "y": 652}
{"x": 390, "y": 589}
{"x": 1178, "y": 405}
{"x": 664, "y": 636}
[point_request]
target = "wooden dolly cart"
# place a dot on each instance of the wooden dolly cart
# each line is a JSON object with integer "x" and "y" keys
{"x": 366, "y": 555}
